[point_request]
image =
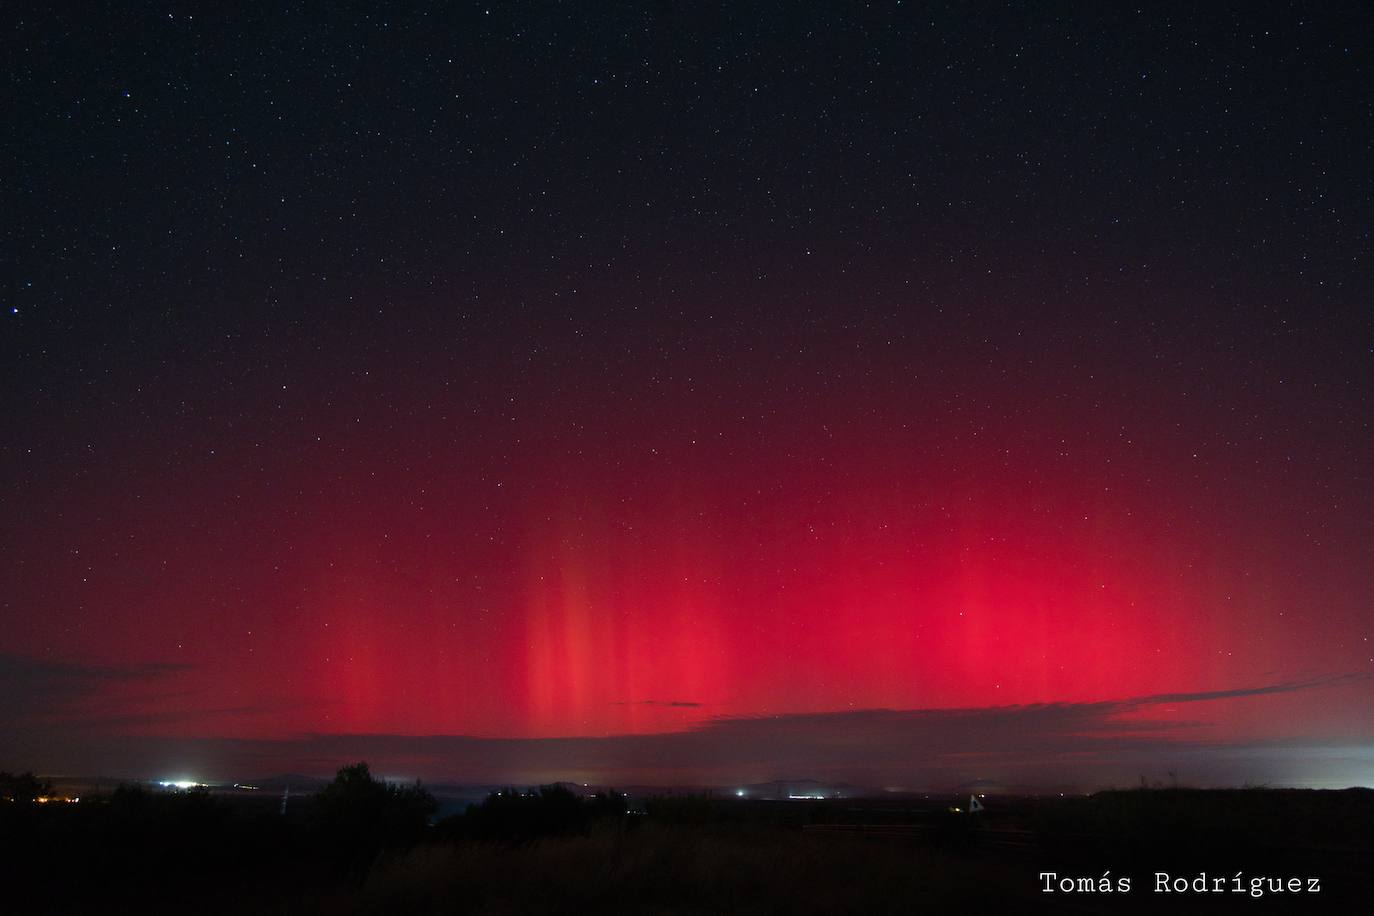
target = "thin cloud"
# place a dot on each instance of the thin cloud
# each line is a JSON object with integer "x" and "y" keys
{"x": 1046, "y": 745}
{"x": 1293, "y": 686}
{"x": 44, "y": 685}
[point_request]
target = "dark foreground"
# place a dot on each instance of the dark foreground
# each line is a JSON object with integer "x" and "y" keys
{"x": 138, "y": 851}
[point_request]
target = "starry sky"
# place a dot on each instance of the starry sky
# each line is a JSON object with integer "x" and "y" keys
{"x": 531, "y": 374}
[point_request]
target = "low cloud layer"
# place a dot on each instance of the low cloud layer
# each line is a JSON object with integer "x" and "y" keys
{"x": 45, "y": 690}
{"x": 1044, "y": 747}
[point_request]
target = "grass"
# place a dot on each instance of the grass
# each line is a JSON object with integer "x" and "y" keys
{"x": 652, "y": 868}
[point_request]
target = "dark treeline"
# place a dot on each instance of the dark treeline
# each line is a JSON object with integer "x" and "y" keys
{"x": 165, "y": 848}
{"x": 23, "y": 787}
{"x": 521, "y": 816}
{"x": 362, "y": 845}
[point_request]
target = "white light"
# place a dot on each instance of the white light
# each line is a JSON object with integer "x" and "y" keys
{"x": 739, "y": 792}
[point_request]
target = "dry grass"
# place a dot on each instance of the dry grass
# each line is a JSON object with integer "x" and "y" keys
{"x": 672, "y": 869}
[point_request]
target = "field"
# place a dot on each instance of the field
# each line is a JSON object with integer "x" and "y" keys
{"x": 699, "y": 854}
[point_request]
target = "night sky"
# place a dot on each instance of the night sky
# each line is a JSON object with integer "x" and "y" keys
{"x": 594, "y": 371}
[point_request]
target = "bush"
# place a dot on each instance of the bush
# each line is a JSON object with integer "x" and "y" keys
{"x": 358, "y": 816}
{"x": 549, "y": 811}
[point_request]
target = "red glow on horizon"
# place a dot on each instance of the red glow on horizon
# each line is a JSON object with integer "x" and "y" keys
{"x": 691, "y": 608}
{"x": 600, "y": 583}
